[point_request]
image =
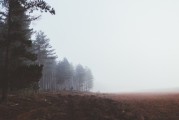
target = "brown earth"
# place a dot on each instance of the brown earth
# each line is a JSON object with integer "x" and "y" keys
{"x": 68, "y": 106}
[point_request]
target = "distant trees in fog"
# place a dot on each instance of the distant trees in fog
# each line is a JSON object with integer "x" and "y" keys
{"x": 45, "y": 56}
{"x": 73, "y": 78}
{"x": 61, "y": 75}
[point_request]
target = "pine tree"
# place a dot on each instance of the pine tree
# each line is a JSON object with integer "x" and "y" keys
{"x": 43, "y": 49}
{"x": 68, "y": 78}
{"x": 45, "y": 56}
{"x": 79, "y": 77}
{"x": 65, "y": 73}
{"x": 17, "y": 43}
{"x": 1, "y": 50}
{"x": 88, "y": 79}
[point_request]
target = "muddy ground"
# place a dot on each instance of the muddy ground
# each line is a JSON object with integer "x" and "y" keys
{"x": 70, "y": 106}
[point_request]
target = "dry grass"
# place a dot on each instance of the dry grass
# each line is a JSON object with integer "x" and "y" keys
{"x": 80, "y": 106}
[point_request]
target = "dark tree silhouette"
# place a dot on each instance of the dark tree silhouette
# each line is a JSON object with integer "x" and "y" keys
{"x": 17, "y": 41}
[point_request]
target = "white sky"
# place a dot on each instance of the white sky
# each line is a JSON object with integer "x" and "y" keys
{"x": 129, "y": 45}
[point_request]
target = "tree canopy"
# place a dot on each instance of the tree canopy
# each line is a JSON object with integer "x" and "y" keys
{"x": 16, "y": 42}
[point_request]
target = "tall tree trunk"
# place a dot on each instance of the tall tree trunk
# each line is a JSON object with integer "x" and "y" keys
{"x": 4, "y": 91}
{"x": 6, "y": 75}
{"x": 5, "y": 80}
{"x": 4, "y": 85}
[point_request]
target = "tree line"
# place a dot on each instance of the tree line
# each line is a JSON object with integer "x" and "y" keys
{"x": 59, "y": 75}
{"x": 28, "y": 63}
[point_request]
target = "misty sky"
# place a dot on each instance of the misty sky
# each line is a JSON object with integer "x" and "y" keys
{"x": 130, "y": 45}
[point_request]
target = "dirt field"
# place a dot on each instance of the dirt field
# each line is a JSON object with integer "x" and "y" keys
{"x": 92, "y": 107}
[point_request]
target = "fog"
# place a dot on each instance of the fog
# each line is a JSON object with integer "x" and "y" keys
{"x": 130, "y": 45}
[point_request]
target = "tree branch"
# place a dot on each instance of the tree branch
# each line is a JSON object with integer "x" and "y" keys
{"x": 2, "y": 13}
{"x": 34, "y": 18}
{"x": 39, "y": 4}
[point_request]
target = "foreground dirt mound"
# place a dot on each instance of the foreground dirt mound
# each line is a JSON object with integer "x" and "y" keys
{"x": 61, "y": 107}
{"x": 91, "y": 107}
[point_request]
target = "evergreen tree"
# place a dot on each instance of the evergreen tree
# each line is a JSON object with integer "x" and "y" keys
{"x": 45, "y": 56}
{"x": 65, "y": 74}
{"x": 17, "y": 42}
{"x": 43, "y": 49}
{"x": 1, "y": 50}
{"x": 68, "y": 78}
{"x": 79, "y": 77}
{"x": 88, "y": 79}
